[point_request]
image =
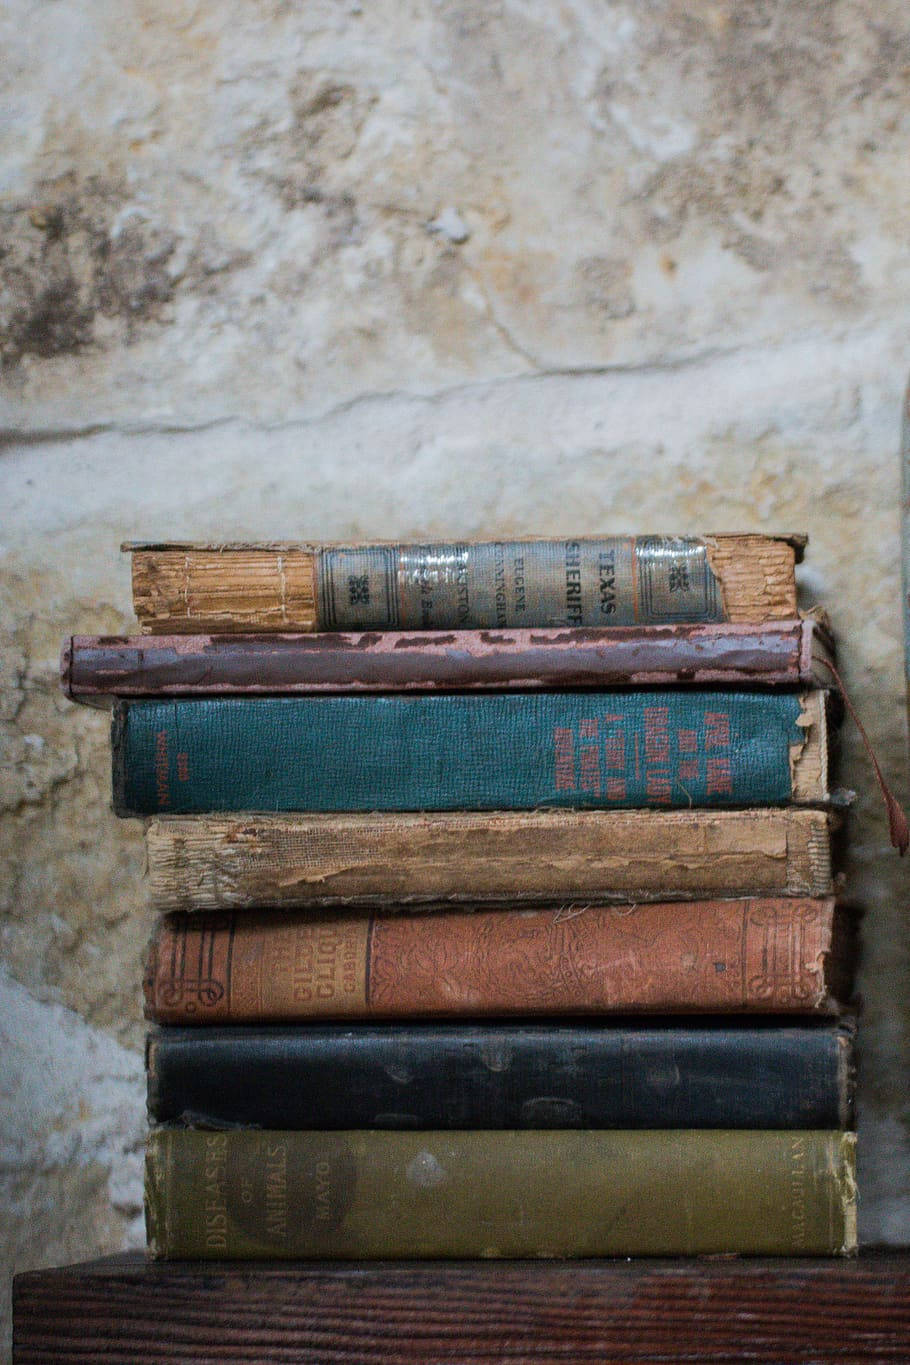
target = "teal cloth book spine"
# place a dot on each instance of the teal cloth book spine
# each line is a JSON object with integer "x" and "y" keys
{"x": 577, "y": 749}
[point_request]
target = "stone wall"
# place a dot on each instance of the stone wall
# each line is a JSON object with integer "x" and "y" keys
{"x": 420, "y": 269}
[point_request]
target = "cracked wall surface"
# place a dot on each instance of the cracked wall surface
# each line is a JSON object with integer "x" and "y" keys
{"x": 423, "y": 269}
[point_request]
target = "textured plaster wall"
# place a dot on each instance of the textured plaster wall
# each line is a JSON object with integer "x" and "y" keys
{"x": 391, "y": 269}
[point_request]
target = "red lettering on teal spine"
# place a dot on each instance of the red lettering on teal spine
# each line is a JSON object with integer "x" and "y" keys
{"x": 161, "y": 770}
{"x": 564, "y": 749}
{"x": 657, "y": 787}
{"x": 615, "y": 744}
{"x": 589, "y": 758}
{"x": 717, "y": 730}
{"x": 687, "y": 741}
{"x": 719, "y": 775}
{"x": 657, "y": 734}
{"x": 657, "y": 755}
{"x": 615, "y": 758}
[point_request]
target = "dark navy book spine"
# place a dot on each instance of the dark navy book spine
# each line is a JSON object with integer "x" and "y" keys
{"x": 668, "y": 748}
{"x": 503, "y": 1076}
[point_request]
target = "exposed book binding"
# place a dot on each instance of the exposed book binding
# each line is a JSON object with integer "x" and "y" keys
{"x": 582, "y": 581}
{"x": 669, "y": 748}
{"x": 689, "y": 956}
{"x": 231, "y": 861}
{"x": 672, "y": 1074}
{"x": 779, "y": 654}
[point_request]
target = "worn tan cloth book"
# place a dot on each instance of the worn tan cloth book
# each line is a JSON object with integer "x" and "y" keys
{"x": 229, "y": 861}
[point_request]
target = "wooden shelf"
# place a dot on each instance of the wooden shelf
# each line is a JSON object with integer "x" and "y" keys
{"x": 128, "y": 1309}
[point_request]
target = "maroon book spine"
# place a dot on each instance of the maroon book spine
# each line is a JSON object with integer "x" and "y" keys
{"x": 785, "y": 654}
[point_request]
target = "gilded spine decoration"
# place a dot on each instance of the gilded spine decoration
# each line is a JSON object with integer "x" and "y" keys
{"x": 750, "y": 955}
{"x": 615, "y": 581}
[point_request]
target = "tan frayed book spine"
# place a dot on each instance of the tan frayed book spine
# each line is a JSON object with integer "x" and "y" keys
{"x": 228, "y": 862}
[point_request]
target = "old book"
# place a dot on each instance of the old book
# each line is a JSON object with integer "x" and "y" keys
{"x": 678, "y": 1074}
{"x": 233, "y": 861}
{"x": 463, "y": 752}
{"x": 261, "y": 1193}
{"x": 779, "y": 654}
{"x": 604, "y": 581}
{"x": 687, "y": 956}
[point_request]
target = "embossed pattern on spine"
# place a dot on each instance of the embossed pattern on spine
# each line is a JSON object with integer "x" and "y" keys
{"x": 258, "y": 967}
{"x": 616, "y": 581}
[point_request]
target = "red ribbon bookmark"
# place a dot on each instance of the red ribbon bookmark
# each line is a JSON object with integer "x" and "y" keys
{"x": 897, "y": 820}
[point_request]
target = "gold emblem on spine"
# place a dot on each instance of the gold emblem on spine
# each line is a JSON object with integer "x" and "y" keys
{"x": 783, "y": 940}
{"x": 190, "y": 982}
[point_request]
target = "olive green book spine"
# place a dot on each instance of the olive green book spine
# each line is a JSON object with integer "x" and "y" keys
{"x": 254, "y": 1194}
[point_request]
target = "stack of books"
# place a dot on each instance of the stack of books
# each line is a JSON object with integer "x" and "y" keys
{"x": 498, "y": 914}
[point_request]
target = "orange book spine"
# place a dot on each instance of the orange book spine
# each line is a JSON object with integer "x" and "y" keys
{"x": 709, "y": 956}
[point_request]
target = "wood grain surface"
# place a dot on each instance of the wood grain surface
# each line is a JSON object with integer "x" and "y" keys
{"x": 124, "y": 1309}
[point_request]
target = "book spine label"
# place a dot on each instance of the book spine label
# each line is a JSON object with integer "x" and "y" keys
{"x": 511, "y": 857}
{"x": 708, "y": 956}
{"x": 626, "y": 749}
{"x": 247, "y": 1194}
{"x": 615, "y": 581}
{"x": 503, "y": 1076}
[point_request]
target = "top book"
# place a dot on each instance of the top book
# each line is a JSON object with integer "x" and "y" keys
{"x": 507, "y": 584}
